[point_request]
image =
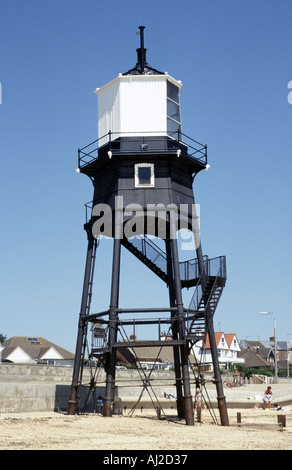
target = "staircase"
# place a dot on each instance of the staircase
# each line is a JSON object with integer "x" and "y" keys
{"x": 149, "y": 253}
{"x": 202, "y": 307}
{"x": 155, "y": 259}
{"x": 204, "y": 300}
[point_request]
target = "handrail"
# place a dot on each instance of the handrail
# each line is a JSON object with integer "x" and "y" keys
{"x": 188, "y": 269}
{"x": 151, "y": 251}
{"x": 196, "y": 150}
{"x": 196, "y": 297}
{"x": 186, "y": 273}
{"x": 198, "y": 293}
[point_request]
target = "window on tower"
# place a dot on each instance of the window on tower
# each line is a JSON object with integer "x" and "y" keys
{"x": 173, "y": 110}
{"x": 144, "y": 175}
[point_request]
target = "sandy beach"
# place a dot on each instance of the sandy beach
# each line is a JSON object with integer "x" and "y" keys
{"x": 259, "y": 430}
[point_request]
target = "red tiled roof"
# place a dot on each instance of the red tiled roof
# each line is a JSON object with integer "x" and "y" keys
{"x": 229, "y": 338}
{"x": 218, "y": 335}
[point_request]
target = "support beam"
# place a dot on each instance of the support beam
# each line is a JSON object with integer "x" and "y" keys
{"x": 210, "y": 328}
{"x": 217, "y": 374}
{"x": 176, "y": 352}
{"x": 113, "y": 330}
{"x": 188, "y": 403}
{"x": 73, "y": 405}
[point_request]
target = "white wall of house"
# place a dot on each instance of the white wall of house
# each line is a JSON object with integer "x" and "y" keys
{"x": 51, "y": 354}
{"x": 18, "y": 356}
{"x": 227, "y": 351}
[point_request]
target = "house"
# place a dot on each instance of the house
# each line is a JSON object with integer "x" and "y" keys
{"x": 146, "y": 357}
{"x": 265, "y": 350}
{"x": 283, "y": 351}
{"x": 228, "y": 350}
{"x": 157, "y": 357}
{"x": 252, "y": 358}
{"x": 34, "y": 350}
{"x": 162, "y": 357}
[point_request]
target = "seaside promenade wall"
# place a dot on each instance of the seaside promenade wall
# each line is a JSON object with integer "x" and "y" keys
{"x": 28, "y": 388}
{"x": 25, "y": 388}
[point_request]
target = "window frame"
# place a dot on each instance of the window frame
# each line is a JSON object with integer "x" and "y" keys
{"x": 173, "y": 125}
{"x": 152, "y": 179}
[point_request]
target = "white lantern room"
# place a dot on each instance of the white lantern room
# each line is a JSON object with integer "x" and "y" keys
{"x": 139, "y": 105}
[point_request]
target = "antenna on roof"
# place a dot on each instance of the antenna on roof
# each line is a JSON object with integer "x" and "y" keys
{"x": 142, "y": 67}
{"x": 143, "y": 52}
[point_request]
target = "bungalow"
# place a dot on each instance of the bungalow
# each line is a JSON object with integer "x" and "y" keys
{"x": 32, "y": 350}
{"x": 149, "y": 357}
{"x": 155, "y": 357}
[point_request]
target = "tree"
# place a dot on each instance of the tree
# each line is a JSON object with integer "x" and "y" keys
{"x": 248, "y": 371}
{"x": 2, "y": 338}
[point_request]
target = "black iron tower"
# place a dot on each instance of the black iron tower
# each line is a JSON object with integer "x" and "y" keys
{"x": 142, "y": 168}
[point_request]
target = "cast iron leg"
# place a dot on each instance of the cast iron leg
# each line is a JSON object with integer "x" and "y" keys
{"x": 113, "y": 328}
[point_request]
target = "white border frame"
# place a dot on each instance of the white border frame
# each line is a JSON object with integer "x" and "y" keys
{"x": 152, "y": 181}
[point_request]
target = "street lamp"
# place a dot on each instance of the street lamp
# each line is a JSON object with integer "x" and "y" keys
{"x": 288, "y": 373}
{"x": 275, "y": 344}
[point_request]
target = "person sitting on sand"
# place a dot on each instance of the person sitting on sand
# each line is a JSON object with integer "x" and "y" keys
{"x": 277, "y": 407}
{"x": 256, "y": 407}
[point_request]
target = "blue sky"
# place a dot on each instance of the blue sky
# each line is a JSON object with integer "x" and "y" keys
{"x": 234, "y": 60}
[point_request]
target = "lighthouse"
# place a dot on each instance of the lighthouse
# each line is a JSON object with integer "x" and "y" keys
{"x": 142, "y": 167}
